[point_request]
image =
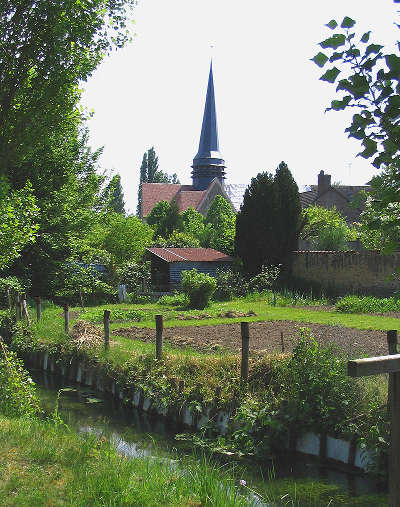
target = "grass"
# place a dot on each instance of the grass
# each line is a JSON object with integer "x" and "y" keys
{"x": 46, "y": 464}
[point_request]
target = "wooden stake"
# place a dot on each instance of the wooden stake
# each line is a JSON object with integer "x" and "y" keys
{"x": 282, "y": 343}
{"x": 66, "y": 318}
{"x": 159, "y": 333}
{"x": 8, "y": 297}
{"x": 244, "y": 327}
{"x": 106, "y": 321}
{"x": 392, "y": 347}
{"x": 25, "y": 308}
{"x": 38, "y": 308}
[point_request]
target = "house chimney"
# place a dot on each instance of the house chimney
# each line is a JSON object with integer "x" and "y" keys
{"x": 324, "y": 182}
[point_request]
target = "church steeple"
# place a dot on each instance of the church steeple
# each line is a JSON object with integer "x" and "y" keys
{"x": 208, "y": 163}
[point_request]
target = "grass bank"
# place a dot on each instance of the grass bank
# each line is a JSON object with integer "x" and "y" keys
{"x": 42, "y": 463}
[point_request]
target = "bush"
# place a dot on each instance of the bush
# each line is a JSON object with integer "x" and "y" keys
{"x": 367, "y": 304}
{"x": 265, "y": 279}
{"x": 230, "y": 284}
{"x": 135, "y": 275}
{"x": 176, "y": 299}
{"x": 17, "y": 392}
{"x": 199, "y": 287}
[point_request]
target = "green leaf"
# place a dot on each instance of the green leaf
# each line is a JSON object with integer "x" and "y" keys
{"x": 336, "y": 56}
{"x": 373, "y": 48}
{"x": 333, "y": 42}
{"x": 370, "y": 148}
{"x": 330, "y": 75}
{"x": 339, "y": 105}
{"x": 320, "y": 59}
{"x": 365, "y": 37}
{"x": 393, "y": 62}
{"x": 347, "y": 22}
{"x": 332, "y": 24}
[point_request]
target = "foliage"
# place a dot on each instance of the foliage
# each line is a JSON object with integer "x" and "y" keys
{"x": 112, "y": 196}
{"x": 182, "y": 240}
{"x": 199, "y": 287}
{"x": 193, "y": 223}
{"x": 135, "y": 275}
{"x": 326, "y": 228}
{"x": 150, "y": 173}
{"x": 315, "y": 385}
{"x": 367, "y": 304}
{"x": 221, "y": 219}
{"x": 164, "y": 218}
{"x": 17, "y": 393}
{"x": 379, "y": 226}
{"x": 77, "y": 283}
{"x": 265, "y": 279}
{"x": 18, "y": 225}
{"x": 369, "y": 84}
{"x": 176, "y": 299}
{"x": 269, "y": 204}
{"x": 230, "y": 284}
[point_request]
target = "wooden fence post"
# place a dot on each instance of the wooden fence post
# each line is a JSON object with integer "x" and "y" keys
{"x": 38, "y": 308}
{"x": 25, "y": 309}
{"x": 392, "y": 347}
{"x": 18, "y": 313}
{"x": 159, "y": 333}
{"x": 244, "y": 327}
{"x": 8, "y": 297}
{"x": 282, "y": 343}
{"x": 66, "y": 318}
{"x": 106, "y": 321}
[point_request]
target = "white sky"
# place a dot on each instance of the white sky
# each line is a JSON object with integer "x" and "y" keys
{"x": 270, "y": 102}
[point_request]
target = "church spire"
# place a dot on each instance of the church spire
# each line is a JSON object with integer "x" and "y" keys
{"x": 208, "y": 163}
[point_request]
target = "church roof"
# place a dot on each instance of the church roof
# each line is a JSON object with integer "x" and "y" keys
{"x": 190, "y": 254}
{"x": 185, "y": 196}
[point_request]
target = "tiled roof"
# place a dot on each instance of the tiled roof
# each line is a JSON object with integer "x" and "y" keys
{"x": 190, "y": 254}
{"x": 347, "y": 191}
{"x": 184, "y": 195}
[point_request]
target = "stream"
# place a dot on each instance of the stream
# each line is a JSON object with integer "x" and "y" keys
{"x": 134, "y": 434}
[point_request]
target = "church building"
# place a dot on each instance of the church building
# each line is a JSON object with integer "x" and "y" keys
{"x": 208, "y": 173}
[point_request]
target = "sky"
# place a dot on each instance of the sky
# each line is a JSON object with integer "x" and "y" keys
{"x": 269, "y": 99}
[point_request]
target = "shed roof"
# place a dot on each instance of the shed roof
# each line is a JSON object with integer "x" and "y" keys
{"x": 190, "y": 255}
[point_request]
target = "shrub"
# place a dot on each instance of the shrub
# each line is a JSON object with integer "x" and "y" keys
{"x": 135, "y": 275}
{"x": 176, "y": 299}
{"x": 367, "y": 304}
{"x": 17, "y": 393}
{"x": 199, "y": 287}
{"x": 230, "y": 284}
{"x": 265, "y": 279}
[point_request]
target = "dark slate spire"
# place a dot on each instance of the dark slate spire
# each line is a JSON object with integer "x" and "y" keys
{"x": 208, "y": 163}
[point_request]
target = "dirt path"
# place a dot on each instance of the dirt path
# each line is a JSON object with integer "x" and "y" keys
{"x": 266, "y": 336}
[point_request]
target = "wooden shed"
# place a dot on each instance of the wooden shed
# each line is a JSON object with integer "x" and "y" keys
{"x": 167, "y": 264}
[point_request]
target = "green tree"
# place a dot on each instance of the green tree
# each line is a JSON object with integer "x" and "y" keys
{"x": 125, "y": 238}
{"x": 18, "y": 226}
{"x": 326, "y": 228}
{"x": 182, "y": 240}
{"x": 288, "y": 215}
{"x": 165, "y": 218}
{"x": 368, "y": 82}
{"x": 222, "y": 220}
{"x": 113, "y": 196}
{"x": 193, "y": 223}
{"x": 47, "y": 49}
{"x": 269, "y": 204}
{"x": 150, "y": 173}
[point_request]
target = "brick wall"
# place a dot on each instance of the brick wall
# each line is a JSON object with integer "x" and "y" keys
{"x": 364, "y": 272}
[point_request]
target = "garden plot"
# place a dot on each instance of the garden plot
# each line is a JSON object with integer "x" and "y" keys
{"x": 265, "y": 336}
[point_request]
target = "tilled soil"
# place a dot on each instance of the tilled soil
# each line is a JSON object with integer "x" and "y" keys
{"x": 266, "y": 337}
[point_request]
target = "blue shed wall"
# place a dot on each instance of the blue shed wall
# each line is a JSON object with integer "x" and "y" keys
{"x": 176, "y": 268}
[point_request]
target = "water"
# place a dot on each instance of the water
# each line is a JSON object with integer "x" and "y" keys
{"x": 134, "y": 434}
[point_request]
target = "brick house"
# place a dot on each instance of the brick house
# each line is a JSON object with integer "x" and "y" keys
{"x": 326, "y": 195}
